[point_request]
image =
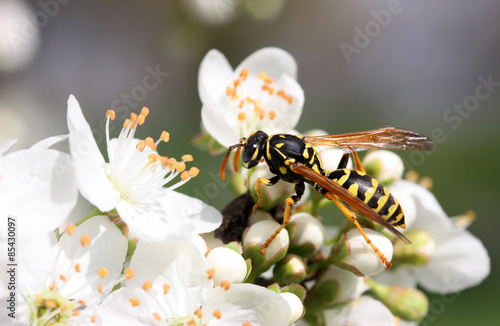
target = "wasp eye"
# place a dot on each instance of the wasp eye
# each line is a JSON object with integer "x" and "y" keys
{"x": 254, "y": 149}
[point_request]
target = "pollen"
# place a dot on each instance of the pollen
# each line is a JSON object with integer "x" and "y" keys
{"x": 242, "y": 116}
{"x": 129, "y": 273}
{"x": 134, "y": 301}
{"x": 93, "y": 318}
{"x": 147, "y": 285}
{"x": 272, "y": 115}
{"x": 156, "y": 316}
{"x": 211, "y": 273}
{"x": 199, "y": 312}
{"x": 111, "y": 114}
{"x": 103, "y": 272}
{"x": 85, "y": 240}
{"x": 62, "y": 278}
{"x": 70, "y": 229}
{"x": 241, "y": 104}
{"x": 244, "y": 73}
{"x": 217, "y": 314}
{"x": 77, "y": 268}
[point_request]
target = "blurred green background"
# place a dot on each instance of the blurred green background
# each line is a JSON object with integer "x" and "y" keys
{"x": 417, "y": 61}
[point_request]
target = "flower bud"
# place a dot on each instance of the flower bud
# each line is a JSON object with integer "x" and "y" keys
{"x": 254, "y": 238}
{"x": 296, "y": 306}
{"x": 419, "y": 252}
{"x": 259, "y": 215}
{"x": 352, "y": 252}
{"x": 273, "y": 195}
{"x": 228, "y": 265}
{"x": 407, "y": 303}
{"x": 292, "y": 269}
{"x": 307, "y": 234}
{"x": 383, "y": 165}
{"x": 336, "y": 285}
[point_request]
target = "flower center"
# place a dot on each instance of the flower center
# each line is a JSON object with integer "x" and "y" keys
{"x": 135, "y": 169}
{"x": 50, "y": 308}
{"x": 257, "y": 100}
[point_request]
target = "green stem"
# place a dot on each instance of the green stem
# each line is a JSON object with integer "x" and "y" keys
{"x": 95, "y": 212}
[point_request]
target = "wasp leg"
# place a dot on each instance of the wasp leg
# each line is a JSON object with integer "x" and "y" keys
{"x": 343, "y": 161}
{"x": 299, "y": 191}
{"x": 350, "y": 215}
{"x": 359, "y": 166}
{"x": 265, "y": 182}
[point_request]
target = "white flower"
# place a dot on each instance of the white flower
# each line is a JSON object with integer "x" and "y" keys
{"x": 57, "y": 280}
{"x": 178, "y": 290}
{"x": 260, "y": 94}
{"x": 37, "y": 186}
{"x": 365, "y": 311}
{"x": 458, "y": 259}
{"x": 133, "y": 181}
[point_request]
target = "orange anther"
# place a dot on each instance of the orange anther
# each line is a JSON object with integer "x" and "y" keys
{"x": 165, "y": 136}
{"x": 141, "y": 119}
{"x": 150, "y": 143}
{"x": 199, "y": 312}
{"x": 152, "y": 157}
{"x": 236, "y": 83}
{"x": 85, "y": 240}
{"x": 244, "y": 73}
{"x": 156, "y": 316}
{"x": 268, "y": 80}
{"x": 145, "y": 111}
{"x": 187, "y": 157}
{"x": 111, "y": 114}
{"x": 62, "y": 278}
{"x": 229, "y": 91}
{"x": 77, "y": 268}
{"x": 262, "y": 75}
{"x": 75, "y": 313}
{"x": 185, "y": 175}
{"x": 242, "y": 116}
{"x": 166, "y": 288}
{"x": 93, "y": 318}
{"x": 103, "y": 272}
{"x": 126, "y": 123}
{"x": 272, "y": 115}
{"x": 82, "y": 302}
{"x": 180, "y": 166}
{"x": 147, "y": 285}
{"x": 129, "y": 273}
{"x": 50, "y": 304}
{"x": 194, "y": 171}
{"x": 247, "y": 323}
{"x": 100, "y": 288}
{"x": 211, "y": 273}
{"x": 140, "y": 145}
{"x": 241, "y": 104}
{"x": 217, "y": 314}
{"x": 134, "y": 301}
{"x": 70, "y": 229}
{"x": 52, "y": 286}
{"x": 289, "y": 99}
{"x": 225, "y": 284}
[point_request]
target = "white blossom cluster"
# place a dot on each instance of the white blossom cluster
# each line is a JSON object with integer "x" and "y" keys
{"x": 147, "y": 254}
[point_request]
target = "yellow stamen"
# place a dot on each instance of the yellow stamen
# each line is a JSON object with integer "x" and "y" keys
{"x": 111, "y": 114}
{"x": 70, "y": 229}
{"x": 134, "y": 301}
{"x": 129, "y": 273}
{"x": 103, "y": 272}
{"x": 85, "y": 240}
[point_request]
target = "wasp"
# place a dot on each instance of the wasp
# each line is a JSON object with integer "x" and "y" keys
{"x": 294, "y": 159}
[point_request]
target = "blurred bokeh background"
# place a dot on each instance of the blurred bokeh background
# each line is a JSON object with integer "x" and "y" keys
{"x": 362, "y": 64}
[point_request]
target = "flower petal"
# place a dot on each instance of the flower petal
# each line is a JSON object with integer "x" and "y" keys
{"x": 178, "y": 264}
{"x": 274, "y": 61}
{"x": 364, "y": 312}
{"x": 88, "y": 161}
{"x": 246, "y": 302}
{"x": 218, "y": 124}
{"x": 214, "y": 76}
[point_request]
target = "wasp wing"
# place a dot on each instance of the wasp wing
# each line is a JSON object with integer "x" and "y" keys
{"x": 386, "y": 138}
{"x": 347, "y": 197}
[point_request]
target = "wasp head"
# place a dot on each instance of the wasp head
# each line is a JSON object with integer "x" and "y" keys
{"x": 253, "y": 149}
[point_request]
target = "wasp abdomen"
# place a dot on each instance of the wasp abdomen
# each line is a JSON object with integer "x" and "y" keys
{"x": 372, "y": 193}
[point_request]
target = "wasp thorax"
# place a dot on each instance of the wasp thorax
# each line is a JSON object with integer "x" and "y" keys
{"x": 254, "y": 149}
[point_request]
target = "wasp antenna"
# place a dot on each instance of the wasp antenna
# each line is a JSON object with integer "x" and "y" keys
{"x": 236, "y": 157}
{"x": 224, "y": 161}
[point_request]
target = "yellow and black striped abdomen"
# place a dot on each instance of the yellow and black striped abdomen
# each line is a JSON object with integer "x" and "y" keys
{"x": 373, "y": 193}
